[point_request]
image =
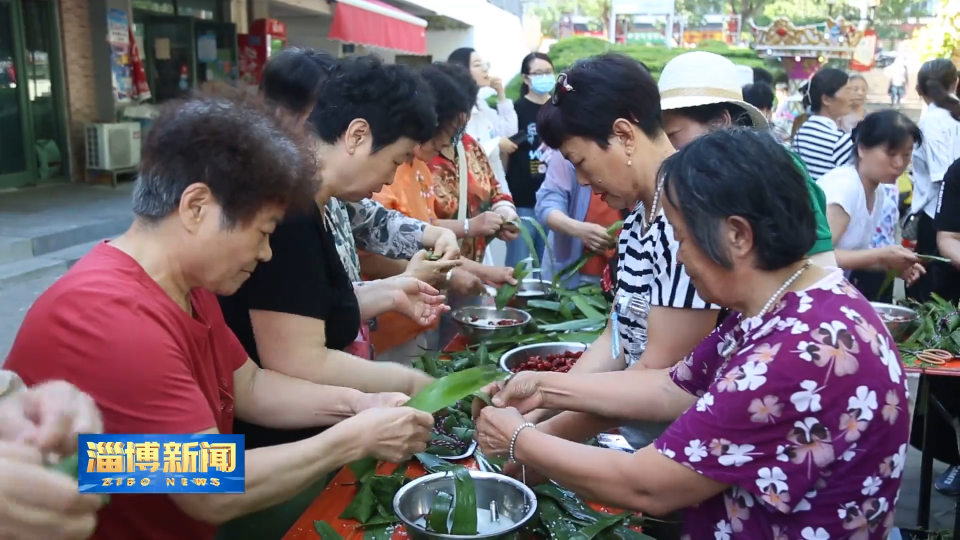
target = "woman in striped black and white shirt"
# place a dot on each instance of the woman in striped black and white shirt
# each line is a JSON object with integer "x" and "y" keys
{"x": 819, "y": 141}
{"x": 605, "y": 119}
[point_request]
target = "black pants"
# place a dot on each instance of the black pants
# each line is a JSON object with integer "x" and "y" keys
{"x": 943, "y": 280}
{"x": 868, "y": 282}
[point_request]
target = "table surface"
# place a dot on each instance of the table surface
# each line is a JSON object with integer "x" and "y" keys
{"x": 950, "y": 369}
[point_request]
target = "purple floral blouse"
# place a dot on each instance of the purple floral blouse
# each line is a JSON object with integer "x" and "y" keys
{"x": 807, "y": 422}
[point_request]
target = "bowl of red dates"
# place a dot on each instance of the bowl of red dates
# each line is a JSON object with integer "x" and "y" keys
{"x": 898, "y": 319}
{"x": 485, "y": 323}
{"x": 558, "y": 357}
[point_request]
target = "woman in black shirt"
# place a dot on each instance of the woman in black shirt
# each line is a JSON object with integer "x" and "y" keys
{"x": 297, "y": 312}
{"x": 526, "y": 168}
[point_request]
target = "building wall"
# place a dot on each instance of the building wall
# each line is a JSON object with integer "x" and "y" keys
{"x": 312, "y": 31}
{"x": 498, "y": 35}
{"x": 79, "y": 81}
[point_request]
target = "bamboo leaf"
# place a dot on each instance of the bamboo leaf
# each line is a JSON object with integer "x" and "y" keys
{"x": 572, "y": 326}
{"x": 933, "y": 258}
{"x": 582, "y": 337}
{"x": 549, "y": 305}
{"x": 553, "y": 519}
{"x": 433, "y": 463}
{"x": 588, "y": 532}
{"x": 483, "y": 397}
{"x": 446, "y": 392}
{"x": 440, "y": 513}
{"x": 69, "y": 466}
{"x": 543, "y": 236}
{"x": 363, "y": 505}
{"x": 528, "y": 240}
{"x": 465, "y": 503}
{"x": 506, "y": 292}
{"x": 587, "y": 309}
{"x": 326, "y": 531}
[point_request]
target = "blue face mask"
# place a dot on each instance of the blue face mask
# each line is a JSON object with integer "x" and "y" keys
{"x": 542, "y": 84}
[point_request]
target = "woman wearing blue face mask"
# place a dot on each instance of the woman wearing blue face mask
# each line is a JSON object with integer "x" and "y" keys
{"x": 527, "y": 166}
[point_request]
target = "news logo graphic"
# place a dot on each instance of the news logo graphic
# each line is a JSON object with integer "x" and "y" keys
{"x": 161, "y": 463}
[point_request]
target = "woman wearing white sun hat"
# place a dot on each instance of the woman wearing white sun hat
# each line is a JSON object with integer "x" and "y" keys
{"x": 701, "y": 92}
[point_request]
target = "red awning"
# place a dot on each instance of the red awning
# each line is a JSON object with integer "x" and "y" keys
{"x": 376, "y": 24}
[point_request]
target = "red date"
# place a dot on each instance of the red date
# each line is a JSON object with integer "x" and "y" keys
{"x": 492, "y": 322}
{"x": 561, "y": 362}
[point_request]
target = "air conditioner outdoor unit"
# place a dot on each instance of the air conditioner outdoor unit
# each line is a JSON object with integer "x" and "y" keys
{"x": 113, "y": 147}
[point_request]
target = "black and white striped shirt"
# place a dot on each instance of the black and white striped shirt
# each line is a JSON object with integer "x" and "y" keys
{"x": 648, "y": 274}
{"x": 822, "y": 146}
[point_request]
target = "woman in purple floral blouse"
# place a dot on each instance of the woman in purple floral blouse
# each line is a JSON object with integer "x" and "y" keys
{"x": 789, "y": 421}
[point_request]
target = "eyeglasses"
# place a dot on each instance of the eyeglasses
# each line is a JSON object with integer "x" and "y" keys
{"x": 561, "y": 89}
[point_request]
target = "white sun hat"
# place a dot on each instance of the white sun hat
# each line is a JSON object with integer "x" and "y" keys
{"x": 702, "y": 78}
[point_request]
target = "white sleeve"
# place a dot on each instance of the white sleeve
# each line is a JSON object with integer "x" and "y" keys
{"x": 507, "y": 124}
{"x": 841, "y": 187}
{"x": 937, "y": 148}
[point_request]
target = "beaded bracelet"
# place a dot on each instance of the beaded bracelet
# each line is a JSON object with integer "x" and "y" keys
{"x": 513, "y": 440}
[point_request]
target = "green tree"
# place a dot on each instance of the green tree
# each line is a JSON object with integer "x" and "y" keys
{"x": 552, "y": 11}
{"x": 941, "y": 39}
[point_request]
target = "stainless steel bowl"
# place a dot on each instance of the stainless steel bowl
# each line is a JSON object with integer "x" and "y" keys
{"x": 905, "y": 319}
{"x": 532, "y": 288}
{"x": 513, "y": 499}
{"x": 515, "y": 357}
{"x": 477, "y": 332}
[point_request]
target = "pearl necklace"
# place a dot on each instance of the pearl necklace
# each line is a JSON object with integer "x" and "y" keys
{"x": 653, "y": 206}
{"x": 732, "y": 345}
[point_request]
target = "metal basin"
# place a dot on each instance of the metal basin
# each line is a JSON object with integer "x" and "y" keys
{"x": 477, "y": 332}
{"x": 532, "y": 289}
{"x": 514, "y": 500}
{"x": 898, "y": 319}
{"x": 515, "y": 357}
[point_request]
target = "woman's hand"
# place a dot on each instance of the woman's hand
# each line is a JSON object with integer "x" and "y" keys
{"x": 912, "y": 274}
{"x": 379, "y": 400}
{"x": 507, "y": 146}
{"x": 497, "y": 84}
{"x": 594, "y": 237}
{"x": 432, "y": 272}
{"x": 521, "y": 391}
{"x": 49, "y": 417}
{"x": 446, "y": 245}
{"x": 465, "y": 284}
{"x": 495, "y": 428}
{"x": 509, "y": 231}
{"x": 496, "y": 275}
{"x": 417, "y": 300}
{"x": 485, "y": 225}
{"x": 39, "y": 502}
{"x": 898, "y": 258}
{"x": 394, "y": 434}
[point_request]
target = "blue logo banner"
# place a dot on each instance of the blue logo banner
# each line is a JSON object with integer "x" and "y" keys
{"x": 161, "y": 463}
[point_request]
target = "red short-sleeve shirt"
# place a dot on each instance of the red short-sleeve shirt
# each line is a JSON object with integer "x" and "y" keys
{"x": 109, "y": 329}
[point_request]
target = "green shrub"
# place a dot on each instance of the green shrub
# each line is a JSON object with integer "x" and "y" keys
{"x": 567, "y": 51}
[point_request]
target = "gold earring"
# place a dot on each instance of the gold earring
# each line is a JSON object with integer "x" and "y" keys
{"x": 629, "y": 161}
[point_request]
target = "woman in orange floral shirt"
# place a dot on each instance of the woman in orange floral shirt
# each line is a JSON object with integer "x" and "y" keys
{"x": 482, "y": 189}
